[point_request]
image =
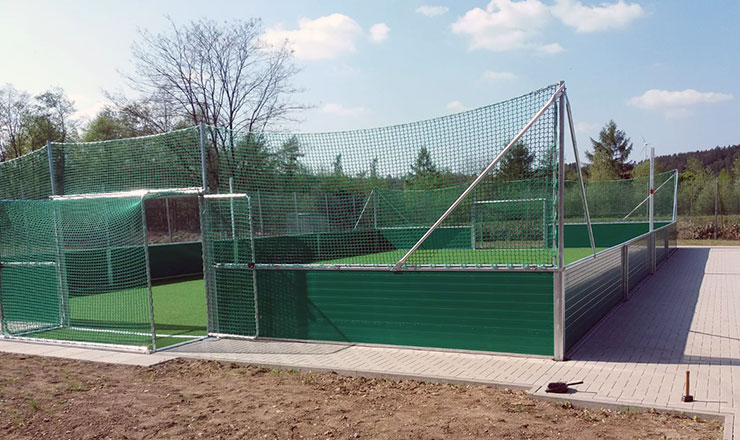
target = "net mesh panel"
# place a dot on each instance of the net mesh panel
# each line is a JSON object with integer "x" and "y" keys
{"x": 26, "y": 177}
{"x": 169, "y": 160}
{"x": 365, "y": 197}
{"x": 621, "y": 200}
{"x": 75, "y": 270}
{"x": 515, "y": 221}
{"x": 228, "y": 252}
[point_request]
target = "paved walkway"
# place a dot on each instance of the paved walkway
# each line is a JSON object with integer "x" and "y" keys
{"x": 683, "y": 318}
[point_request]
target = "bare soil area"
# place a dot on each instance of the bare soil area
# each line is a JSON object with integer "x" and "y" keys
{"x": 61, "y": 399}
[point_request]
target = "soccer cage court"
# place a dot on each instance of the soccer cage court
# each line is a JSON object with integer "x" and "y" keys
{"x": 458, "y": 232}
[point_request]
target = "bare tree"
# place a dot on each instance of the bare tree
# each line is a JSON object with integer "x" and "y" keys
{"x": 58, "y": 109}
{"x": 14, "y": 109}
{"x": 222, "y": 74}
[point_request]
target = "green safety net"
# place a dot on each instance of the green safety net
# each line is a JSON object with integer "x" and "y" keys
{"x": 169, "y": 160}
{"x": 228, "y": 253}
{"x": 367, "y": 196}
{"x": 75, "y": 269}
{"x": 26, "y": 177}
{"x": 623, "y": 200}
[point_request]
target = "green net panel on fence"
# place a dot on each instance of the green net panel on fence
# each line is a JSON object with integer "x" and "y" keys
{"x": 75, "y": 269}
{"x": 169, "y": 160}
{"x": 366, "y": 197}
{"x": 228, "y": 254}
{"x": 26, "y": 177}
{"x": 623, "y": 200}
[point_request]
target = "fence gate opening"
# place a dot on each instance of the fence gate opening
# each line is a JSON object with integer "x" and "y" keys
{"x": 76, "y": 270}
{"x": 228, "y": 265}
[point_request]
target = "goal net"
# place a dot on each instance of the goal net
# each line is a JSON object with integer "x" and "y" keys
{"x": 520, "y": 223}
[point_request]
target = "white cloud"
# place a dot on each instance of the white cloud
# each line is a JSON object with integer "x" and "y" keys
{"x": 603, "y": 17}
{"x": 504, "y": 25}
{"x": 333, "y": 108}
{"x": 676, "y": 104}
{"x": 550, "y": 49}
{"x": 326, "y": 37}
{"x": 432, "y": 11}
{"x": 498, "y": 76}
{"x": 457, "y": 106}
{"x": 379, "y": 32}
{"x": 87, "y": 108}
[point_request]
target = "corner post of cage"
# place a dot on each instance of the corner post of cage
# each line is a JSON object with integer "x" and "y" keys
{"x": 211, "y": 308}
{"x": 148, "y": 272}
{"x": 557, "y": 94}
{"x": 254, "y": 268}
{"x": 52, "y": 180}
{"x": 559, "y": 275}
{"x": 651, "y": 212}
{"x": 203, "y": 160}
{"x": 580, "y": 174}
{"x": 61, "y": 266}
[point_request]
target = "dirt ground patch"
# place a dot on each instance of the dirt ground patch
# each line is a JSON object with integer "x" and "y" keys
{"x": 61, "y": 399}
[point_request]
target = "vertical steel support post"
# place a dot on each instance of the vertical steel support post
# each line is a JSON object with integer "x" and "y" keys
{"x": 559, "y": 275}
{"x": 203, "y": 163}
{"x": 169, "y": 222}
{"x": 148, "y": 274}
{"x": 651, "y": 212}
{"x": 254, "y": 270}
{"x": 52, "y": 180}
{"x": 211, "y": 299}
{"x": 259, "y": 206}
{"x": 675, "y": 195}
{"x": 625, "y": 272}
{"x": 61, "y": 266}
{"x": 580, "y": 175}
{"x": 233, "y": 222}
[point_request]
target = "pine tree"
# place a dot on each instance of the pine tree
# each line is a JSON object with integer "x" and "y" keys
{"x": 613, "y": 149}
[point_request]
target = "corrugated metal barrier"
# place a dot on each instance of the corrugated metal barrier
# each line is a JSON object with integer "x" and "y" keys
{"x": 593, "y": 286}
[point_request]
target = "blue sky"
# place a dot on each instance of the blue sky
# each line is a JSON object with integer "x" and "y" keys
{"x": 668, "y": 71}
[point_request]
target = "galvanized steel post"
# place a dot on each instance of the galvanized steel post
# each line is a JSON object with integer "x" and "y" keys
{"x": 651, "y": 210}
{"x": 559, "y": 275}
{"x": 52, "y": 180}
{"x": 203, "y": 165}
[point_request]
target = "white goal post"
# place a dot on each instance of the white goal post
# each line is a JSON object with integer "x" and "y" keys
{"x": 489, "y": 217}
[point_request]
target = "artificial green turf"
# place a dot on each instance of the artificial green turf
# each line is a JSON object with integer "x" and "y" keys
{"x": 463, "y": 256}
{"x": 179, "y": 309}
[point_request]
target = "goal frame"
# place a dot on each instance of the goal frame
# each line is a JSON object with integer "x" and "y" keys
{"x": 474, "y": 211}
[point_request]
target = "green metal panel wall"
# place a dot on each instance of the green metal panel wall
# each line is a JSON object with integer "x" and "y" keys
{"x": 605, "y": 234}
{"x": 592, "y": 288}
{"x": 500, "y": 311}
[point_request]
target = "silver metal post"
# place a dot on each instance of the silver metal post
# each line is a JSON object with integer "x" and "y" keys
{"x": 254, "y": 270}
{"x": 148, "y": 274}
{"x": 169, "y": 223}
{"x": 580, "y": 175}
{"x": 471, "y": 187}
{"x": 651, "y": 212}
{"x": 233, "y": 221}
{"x": 203, "y": 164}
{"x": 61, "y": 266}
{"x": 51, "y": 169}
{"x": 259, "y": 206}
{"x": 326, "y": 203}
{"x": 675, "y": 195}
{"x": 559, "y": 276}
{"x": 364, "y": 207}
{"x": 651, "y": 205}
